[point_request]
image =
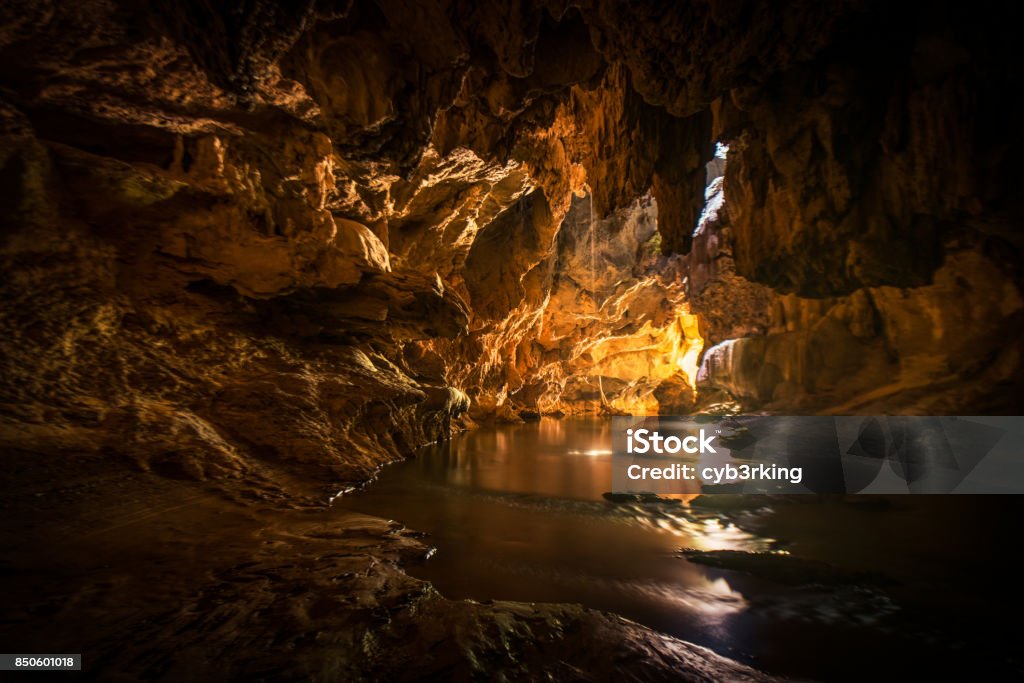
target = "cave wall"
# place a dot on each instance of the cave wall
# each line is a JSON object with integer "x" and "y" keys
{"x": 283, "y": 245}
{"x": 600, "y": 325}
{"x": 868, "y": 200}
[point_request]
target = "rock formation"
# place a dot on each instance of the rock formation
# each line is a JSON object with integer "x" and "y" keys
{"x": 215, "y": 209}
{"x": 274, "y": 247}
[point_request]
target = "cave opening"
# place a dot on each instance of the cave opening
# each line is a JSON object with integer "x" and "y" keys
{"x": 287, "y": 287}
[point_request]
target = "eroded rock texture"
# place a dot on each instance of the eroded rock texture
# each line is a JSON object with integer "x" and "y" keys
{"x": 870, "y": 191}
{"x": 301, "y": 240}
{"x": 274, "y": 246}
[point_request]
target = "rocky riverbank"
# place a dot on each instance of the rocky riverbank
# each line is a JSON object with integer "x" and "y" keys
{"x": 157, "y": 579}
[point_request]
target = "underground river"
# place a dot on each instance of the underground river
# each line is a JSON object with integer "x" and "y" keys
{"x": 516, "y": 512}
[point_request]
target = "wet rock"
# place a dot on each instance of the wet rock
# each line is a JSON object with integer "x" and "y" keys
{"x": 289, "y": 592}
{"x": 782, "y": 568}
{"x": 640, "y": 498}
{"x": 727, "y": 502}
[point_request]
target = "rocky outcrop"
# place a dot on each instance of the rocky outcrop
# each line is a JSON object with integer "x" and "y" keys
{"x": 940, "y": 349}
{"x": 598, "y": 324}
{"x": 508, "y": 202}
{"x": 262, "y": 592}
{"x": 862, "y": 267}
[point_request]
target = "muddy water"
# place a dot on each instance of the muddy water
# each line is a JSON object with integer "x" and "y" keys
{"x": 516, "y": 513}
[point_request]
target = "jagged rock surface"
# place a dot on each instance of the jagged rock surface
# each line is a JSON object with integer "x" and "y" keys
{"x": 275, "y": 247}
{"x": 371, "y": 191}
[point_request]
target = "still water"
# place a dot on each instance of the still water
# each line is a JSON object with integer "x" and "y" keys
{"x": 516, "y": 513}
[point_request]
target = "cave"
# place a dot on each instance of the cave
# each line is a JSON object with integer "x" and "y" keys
{"x": 318, "y": 319}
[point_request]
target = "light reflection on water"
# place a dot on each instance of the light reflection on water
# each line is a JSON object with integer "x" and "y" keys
{"x": 517, "y": 513}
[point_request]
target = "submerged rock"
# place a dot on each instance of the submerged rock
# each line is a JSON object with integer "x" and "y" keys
{"x": 641, "y": 498}
{"x": 782, "y": 568}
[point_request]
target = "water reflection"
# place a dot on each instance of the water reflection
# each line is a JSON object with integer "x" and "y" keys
{"x": 517, "y": 513}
